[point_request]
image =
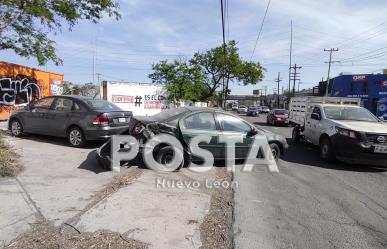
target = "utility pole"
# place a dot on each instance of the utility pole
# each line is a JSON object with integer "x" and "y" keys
{"x": 98, "y": 77}
{"x": 224, "y": 91}
{"x": 290, "y": 56}
{"x": 278, "y": 80}
{"x": 295, "y": 76}
{"x": 94, "y": 64}
{"x": 329, "y": 66}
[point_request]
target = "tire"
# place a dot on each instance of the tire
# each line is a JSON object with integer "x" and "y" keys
{"x": 326, "y": 150}
{"x": 296, "y": 136}
{"x": 76, "y": 137}
{"x": 165, "y": 154}
{"x": 16, "y": 128}
{"x": 275, "y": 149}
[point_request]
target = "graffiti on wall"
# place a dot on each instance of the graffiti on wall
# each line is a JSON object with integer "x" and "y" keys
{"x": 18, "y": 90}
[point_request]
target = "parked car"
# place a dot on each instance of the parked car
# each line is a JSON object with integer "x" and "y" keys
{"x": 187, "y": 122}
{"x": 278, "y": 117}
{"x": 77, "y": 118}
{"x": 264, "y": 109}
{"x": 234, "y": 107}
{"x": 252, "y": 111}
{"x": 242, "y": 109}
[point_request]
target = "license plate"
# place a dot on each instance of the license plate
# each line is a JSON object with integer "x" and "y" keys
{"x": 381, "y": 149}
{"x": 121, "y": 120}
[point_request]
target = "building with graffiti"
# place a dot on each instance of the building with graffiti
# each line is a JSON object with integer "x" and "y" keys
{"x": 19, "y": 85}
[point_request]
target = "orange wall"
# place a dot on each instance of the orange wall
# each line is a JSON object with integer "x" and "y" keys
{"x": 43, "y": 80}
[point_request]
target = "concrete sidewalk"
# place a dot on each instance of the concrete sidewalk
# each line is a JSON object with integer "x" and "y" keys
{"x": 59, "y": 183}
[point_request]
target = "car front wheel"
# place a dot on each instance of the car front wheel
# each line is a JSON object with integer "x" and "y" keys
{"x": 326, "y": 150}
{"x": 276, "y": 151}
{"x": 16, "y": 128}
{"x": 76, "y": 138}
{"x": 165, "y": 156}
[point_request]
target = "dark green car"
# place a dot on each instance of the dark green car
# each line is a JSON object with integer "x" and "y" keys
{"x": 187, "y": 122}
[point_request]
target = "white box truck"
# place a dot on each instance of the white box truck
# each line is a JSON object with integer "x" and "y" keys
{"x": 341, "y": 128}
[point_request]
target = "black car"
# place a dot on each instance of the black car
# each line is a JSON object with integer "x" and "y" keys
{"x": 187, "y": 122}
{"x": 78, "y": 118}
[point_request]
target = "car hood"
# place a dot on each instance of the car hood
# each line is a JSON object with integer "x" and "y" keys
{"x": 362, "y": 126}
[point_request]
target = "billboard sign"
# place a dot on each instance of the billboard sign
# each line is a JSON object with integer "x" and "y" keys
{"x": 140, "y": 98}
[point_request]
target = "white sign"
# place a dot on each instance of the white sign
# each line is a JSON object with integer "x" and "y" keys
{"x": 140, "y": 98}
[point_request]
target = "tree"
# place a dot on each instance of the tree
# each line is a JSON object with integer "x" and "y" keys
{"x": 25, "y": 25}
{"x": 182, "y": 81}
{"x": 204, "y": 74}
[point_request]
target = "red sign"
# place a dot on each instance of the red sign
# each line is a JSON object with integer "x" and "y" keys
{"x": 122, "y": 99}
{"x": 359, "y": 77}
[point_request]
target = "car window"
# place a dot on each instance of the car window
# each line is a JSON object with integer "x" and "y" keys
{"x": 317, "y": 111}
{"x": 63, "y": 104}
{"x": 201, "y": 121}
{"x": 101, "y": 105}
{"x": 231, "y": 123}
{"x": 43, "y": 104}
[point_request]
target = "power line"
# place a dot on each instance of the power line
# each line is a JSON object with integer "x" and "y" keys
{"x": 260, "y": 29}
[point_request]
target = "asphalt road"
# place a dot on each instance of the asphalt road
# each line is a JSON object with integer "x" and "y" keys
{"x": 310, "y": 203}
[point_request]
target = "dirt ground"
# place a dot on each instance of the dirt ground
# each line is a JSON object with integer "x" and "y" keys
{"x": 217, "y": 227}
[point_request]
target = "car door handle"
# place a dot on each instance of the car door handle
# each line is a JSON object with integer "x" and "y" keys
{"x": 308, "y": 122}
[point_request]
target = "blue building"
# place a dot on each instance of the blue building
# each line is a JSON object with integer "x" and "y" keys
{"x": 371, "y": 88}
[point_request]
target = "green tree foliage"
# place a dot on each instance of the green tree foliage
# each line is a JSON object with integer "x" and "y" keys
{"x": 199, "y": 78}
{"x": 25, "y": 25}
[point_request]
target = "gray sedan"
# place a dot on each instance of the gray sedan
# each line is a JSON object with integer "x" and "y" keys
{"x": 77, "y": 118}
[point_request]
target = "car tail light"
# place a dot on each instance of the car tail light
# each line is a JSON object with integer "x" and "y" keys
{"x": 101, "y": 119}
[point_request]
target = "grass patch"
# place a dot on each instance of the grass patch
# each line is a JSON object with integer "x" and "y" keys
{"x": 8, "y": 166}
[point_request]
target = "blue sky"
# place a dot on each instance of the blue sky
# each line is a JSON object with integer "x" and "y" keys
{"x": 150, "y": 31}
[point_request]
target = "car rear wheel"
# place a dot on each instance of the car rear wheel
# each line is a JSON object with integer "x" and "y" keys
{"x": 326, "y": 150}
{"x": 276, "y": 151}
{"x": 76, "y": 138}
{"x": 296, "y": 135}
{"x": 16, "y": 128}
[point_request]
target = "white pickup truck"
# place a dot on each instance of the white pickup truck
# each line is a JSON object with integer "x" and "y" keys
{"x": 341, "y": 128}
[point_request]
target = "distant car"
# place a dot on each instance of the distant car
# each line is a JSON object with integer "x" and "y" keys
{"x": 234, "y": 107}
{"x": 278, "y": 117}
{"x": 77, "y": 118}
{"x": 264, "y": 109}
{"x": 242, "y": 109}
{"x": 252, "y": 111}
{"x": 187, "y": 122}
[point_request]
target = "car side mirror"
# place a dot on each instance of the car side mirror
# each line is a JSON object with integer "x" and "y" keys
{"x": 316, "y": 116}
{"x": 252, "y": 132}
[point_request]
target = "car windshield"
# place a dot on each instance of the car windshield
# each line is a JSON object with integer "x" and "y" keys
{"x": 349, "y": 113}
{"x": 264, "y": 107}
{"x": 281, "y": 112}
{"x": 102, "y": 105}
{"x": 168, "y": 114}
{"x": 252, "y": 108}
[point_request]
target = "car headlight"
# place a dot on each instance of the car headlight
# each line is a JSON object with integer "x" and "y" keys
{"x": 346, "y": 132}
